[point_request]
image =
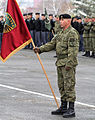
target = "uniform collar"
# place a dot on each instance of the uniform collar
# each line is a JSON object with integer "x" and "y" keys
{"x": 67, "y": 29}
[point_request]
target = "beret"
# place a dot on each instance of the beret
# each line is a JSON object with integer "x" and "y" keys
{"x": 65, "y": 16}
{"x": 37, "y": 13}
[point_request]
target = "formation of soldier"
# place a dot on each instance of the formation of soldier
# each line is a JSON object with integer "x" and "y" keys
{"x": 86, "y": 29}
{"x": 89, "y": 36}
{"x": 40, "y": 34}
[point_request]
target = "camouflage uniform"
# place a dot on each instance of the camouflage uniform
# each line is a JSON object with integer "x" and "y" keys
{"x": 57, "y": 27}
{"x": 67, "y": 45}
{"x": 87, "y": 27}
{"x": 92, "y": 37}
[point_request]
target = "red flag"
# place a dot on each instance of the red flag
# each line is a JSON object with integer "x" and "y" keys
{"x": 16, "y": 35}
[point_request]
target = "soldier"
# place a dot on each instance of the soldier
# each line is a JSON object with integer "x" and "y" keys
{"x": 92, "y": 37}
{"x": 80, "y": 29}
{"x": 57, "y": 27}
{"x": 87, "y": 26}
{"x": 37, "y": 30}
{"x": 51, "y": 34}
{"x": 26, "y": 20}
{"x": 74, "y": 22}
{"x": 1, "y": 28}
{"x": 43, "y": 29}
{"x": 32, "y": 27}
{"x": 66, "y": 43}
{"x": 25, "y": 15}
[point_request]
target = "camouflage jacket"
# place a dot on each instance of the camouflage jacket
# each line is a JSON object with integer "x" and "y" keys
{"x": 87, "y": 27}
{"x": 92, "y": 31}
{"x": 67, "y": 46}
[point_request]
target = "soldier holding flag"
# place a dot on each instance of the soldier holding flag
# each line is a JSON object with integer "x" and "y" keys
{"x": 66, "y": 43}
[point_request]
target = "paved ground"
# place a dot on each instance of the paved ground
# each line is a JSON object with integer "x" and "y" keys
{"x": 25, "y": 93}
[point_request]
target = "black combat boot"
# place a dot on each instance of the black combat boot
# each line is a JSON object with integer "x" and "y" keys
{"x": 70, "y": 112}
{"x": 94, "y": 56}
{"x": 61, "y": 110}
{"x": 88, "y": 54}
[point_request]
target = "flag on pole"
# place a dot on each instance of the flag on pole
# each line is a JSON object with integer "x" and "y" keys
{"x": 16, "y": 34}
{"x": 47, "y": 21}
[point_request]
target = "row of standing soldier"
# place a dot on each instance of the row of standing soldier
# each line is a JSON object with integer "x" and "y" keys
{"x": 89, "y": 36}
{"x": 86, "y": 30}
{"x": 40, "y": 34}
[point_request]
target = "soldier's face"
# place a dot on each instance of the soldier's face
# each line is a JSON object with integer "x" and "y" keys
{"x": 29, "y": 16}
{"x": 25, "y": 17}
{"x": 37, "y": 16}
{"x": 64, "y": 22}
{"x": 43, "y": 17}
{"x": 50, "y": 17}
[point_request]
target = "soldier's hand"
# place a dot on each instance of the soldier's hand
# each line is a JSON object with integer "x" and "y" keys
{"x": 37, "y": 50}
{"x": 67, "y": 68}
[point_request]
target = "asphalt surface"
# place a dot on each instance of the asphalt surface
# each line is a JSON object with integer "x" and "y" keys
{"x": 25, "y": 93}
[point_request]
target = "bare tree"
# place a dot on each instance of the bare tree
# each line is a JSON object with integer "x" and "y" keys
{"x": 3, "y": 6}
{"x": 57, "y": 6}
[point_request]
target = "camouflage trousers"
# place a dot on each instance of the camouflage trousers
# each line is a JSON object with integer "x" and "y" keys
{"x": 86, "y": 43}
{"x": 93, "y": 44}
{"x": 66, "y": 84}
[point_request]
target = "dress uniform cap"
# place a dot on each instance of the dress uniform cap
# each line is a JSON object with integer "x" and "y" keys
{"x": 37, "y": 13}
{"x": 50, "y": 14}
{"x": 25, "y": 14}
{"x": 65, "y": 16}
{"x": 42, "y": 14}
{"x": 30, "y": 13}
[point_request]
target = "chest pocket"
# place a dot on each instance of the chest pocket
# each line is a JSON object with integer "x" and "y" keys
{"x": 72, "y": 42}
{"x": 64, "y": 42}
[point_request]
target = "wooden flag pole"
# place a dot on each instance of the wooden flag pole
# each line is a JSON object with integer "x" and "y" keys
{"x": 46, "y": 75}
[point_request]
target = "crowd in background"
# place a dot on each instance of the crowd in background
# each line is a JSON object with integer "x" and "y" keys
{"x": 41, "y": 35}
{"x": 86, "y": 29}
